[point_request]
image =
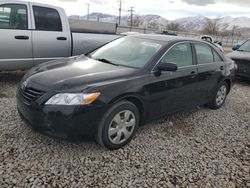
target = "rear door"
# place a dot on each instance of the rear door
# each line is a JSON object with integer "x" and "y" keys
{"x": 51, "y": 35}
{"x": 15, "y": 37}
{"x": 210, "y": 72}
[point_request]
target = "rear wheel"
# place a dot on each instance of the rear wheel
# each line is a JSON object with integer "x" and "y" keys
{"x": 118, "y": 125}
{"x": 220, "y": 96}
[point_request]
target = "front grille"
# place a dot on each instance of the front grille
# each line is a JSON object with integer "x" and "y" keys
{"x": 30, "y": 94}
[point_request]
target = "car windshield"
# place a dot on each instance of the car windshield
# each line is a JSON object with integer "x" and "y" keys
{"x": 128, "y": 51}
{"x": 245, "y": 47}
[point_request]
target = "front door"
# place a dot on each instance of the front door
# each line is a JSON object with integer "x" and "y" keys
{"x": 172, "y": 91}
{"x": 15, "y": 37}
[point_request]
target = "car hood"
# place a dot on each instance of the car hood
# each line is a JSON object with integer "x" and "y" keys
{"x": 76, "y": 72}
{"x": 239, "y": 55}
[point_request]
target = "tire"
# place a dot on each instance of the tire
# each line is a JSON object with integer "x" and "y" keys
{"x": 118, "y": 125}
{"x": 219, "y": 96}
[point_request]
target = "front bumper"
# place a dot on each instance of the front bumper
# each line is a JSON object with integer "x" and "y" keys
{"x": 61, "y": 121}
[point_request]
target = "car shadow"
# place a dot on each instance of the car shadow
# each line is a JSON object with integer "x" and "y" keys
{"x": 243, "y": 81}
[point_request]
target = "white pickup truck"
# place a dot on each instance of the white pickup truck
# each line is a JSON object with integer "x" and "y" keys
{"x": 32, "y": 33}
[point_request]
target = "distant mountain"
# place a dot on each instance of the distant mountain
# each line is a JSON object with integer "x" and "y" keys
{"x": 155, "y": 21}
{"x": 191, "y": 23}
{"x": 228, "y": 23}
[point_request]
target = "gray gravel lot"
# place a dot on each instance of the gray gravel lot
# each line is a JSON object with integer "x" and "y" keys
{"x": 202, "y": 148}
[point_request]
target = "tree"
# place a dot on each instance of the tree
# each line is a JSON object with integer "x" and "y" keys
{"x": 153, "y": 25}
{"x": 173, "y": 27}
{"x": 211, "y": 27}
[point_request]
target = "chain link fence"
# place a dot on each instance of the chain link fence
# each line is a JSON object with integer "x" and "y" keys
{"x": 226, "y": 41}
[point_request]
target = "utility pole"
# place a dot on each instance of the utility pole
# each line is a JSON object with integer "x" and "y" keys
{"x": 131, "y": 10}
{"x": 120, "y": 11}
{"x": 87, "y": 10}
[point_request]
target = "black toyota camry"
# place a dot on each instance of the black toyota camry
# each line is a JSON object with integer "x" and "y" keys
{"x": 110, "y": 92}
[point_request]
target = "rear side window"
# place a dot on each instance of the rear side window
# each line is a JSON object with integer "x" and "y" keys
{"x": 13, "y": 16}
{"x": 47, "y": 19}
{"x": 217, "y": 58}
{"x": 204, "y": 54}
{"x": 181, "y": 54}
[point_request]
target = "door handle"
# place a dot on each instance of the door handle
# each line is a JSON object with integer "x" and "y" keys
{"x": 61, "y": 38}
{"x": 22, "y": 37}
{"x": 221, "y": 67}
{"x": 193, "y": 74}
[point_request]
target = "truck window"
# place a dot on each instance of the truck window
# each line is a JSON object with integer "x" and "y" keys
{"x": 13, "y": 16}
{"x": 47, "y": 19}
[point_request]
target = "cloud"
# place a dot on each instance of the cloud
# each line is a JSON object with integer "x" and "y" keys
{"x": 238, "y": 2}
{"x": 199, "y": 2}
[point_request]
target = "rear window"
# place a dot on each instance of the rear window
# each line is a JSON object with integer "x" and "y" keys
{"x": 217, "y": 58}
{"x": 47, "y": 19}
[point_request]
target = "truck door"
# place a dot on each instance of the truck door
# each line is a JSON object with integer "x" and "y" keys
{"x": 51, "y": 34}
{"x": 15, "y": 37}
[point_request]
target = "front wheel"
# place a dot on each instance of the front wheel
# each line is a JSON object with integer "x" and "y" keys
{"x": 220, "y": 96}
{"x": 118, "y": 125}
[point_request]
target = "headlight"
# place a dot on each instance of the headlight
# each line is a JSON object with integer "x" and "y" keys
{"x": 72, "y": 98}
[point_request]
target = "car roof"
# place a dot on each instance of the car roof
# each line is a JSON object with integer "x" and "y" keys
{"x": 165, "y": 38}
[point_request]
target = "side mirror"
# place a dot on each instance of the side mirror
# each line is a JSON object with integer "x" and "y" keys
{"x": 234, "y": 48}
{"x": 164, "y": 66}
{"x": 220, "y": 43}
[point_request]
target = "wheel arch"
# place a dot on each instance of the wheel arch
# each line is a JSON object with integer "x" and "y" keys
{"x": 136, "y": 100}
{"x": 229, "y": 83}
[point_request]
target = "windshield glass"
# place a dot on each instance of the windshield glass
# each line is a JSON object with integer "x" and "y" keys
{"x": 128, "y": 51}
{"x": 245, "y": 47}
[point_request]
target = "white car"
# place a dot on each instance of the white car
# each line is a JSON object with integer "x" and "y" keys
{"x": 211, "y": 40}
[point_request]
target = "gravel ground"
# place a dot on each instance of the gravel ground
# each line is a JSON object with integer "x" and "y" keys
{"x": 202, "y": 148}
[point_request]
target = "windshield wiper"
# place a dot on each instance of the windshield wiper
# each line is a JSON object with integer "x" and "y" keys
{"x": 106, "y": 61}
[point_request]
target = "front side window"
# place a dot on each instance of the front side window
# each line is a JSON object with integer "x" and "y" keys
{"x": 180, "y": 54}
{"x": 13, "y": 16}
{"x": 47, "y": 19}
{"x": 204, "y": 54}
{"x": 128, "y": 51}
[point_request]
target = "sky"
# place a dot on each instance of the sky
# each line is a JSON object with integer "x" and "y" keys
{"x": 170, "y": 9}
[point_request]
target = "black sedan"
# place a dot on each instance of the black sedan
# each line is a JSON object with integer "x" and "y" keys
{"x": 242, "y": 58}
{"x": 122, "y": 85}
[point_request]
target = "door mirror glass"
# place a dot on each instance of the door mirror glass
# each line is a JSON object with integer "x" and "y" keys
{"x": 235, "y": 47}
{"x": 165, "y": 66}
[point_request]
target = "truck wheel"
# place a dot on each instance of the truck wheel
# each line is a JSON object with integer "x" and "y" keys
{"x": 220, "y": 96}
{"x": 118, "y": 125}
